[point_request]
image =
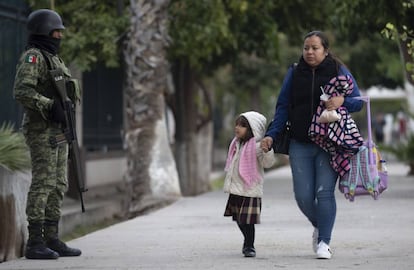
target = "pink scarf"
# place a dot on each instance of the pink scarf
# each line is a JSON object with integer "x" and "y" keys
{"x": 248, "y": 161}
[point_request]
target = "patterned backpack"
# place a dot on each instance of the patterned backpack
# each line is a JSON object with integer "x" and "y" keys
{"x": 365, "y": 178}
{"x": 367, "y": 174}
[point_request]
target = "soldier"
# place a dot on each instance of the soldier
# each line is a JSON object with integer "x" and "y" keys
{"x": 44, "y": 117}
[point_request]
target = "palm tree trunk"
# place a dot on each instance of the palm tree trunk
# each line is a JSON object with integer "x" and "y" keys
{"x": 146, "y": 83}
{"x": 409, "y": 73}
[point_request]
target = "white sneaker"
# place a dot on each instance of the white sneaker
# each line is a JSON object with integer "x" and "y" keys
{"x": 323, "y": 252}
{"x": 315, "y": 236}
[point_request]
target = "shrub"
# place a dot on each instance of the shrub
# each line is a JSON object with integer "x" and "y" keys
{"x": 14, "y": 154}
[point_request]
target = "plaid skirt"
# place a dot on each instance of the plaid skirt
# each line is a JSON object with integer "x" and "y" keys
{"x": 244, "y": 210}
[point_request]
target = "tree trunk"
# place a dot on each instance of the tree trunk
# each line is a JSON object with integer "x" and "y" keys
{"x": 254, "y": 99}
{"x": 13, "y": 196}
{"x": 194, "y": 134}
{"x": 409, "y": 82}
{"x": 408, "y": 86}
{"x": 146, "y": 83}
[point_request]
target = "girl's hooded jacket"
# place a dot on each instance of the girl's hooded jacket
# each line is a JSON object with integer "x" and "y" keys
{"x": 246, "y": 162}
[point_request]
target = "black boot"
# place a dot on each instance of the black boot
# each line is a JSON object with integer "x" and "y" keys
{"x": 54, "y": 243}
{"x": 242, "y": 228}
{"x": 249, "y": 251}
{"x": 62, "y": 249}
{"x": 36, "y": 248}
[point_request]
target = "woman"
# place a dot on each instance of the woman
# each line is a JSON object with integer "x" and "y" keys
{"x": 314, "y": 179}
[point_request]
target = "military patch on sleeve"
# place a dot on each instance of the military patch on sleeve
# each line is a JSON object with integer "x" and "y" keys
{"x": 30, "y": 58}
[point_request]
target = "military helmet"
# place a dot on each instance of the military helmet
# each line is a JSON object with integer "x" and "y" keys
{"x": 43, "y": 22}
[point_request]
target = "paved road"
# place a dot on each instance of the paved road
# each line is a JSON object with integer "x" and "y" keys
{"x": 193, "y": 234}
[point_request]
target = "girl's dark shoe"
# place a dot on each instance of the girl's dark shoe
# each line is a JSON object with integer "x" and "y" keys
{"x": 244, "y": 247}
{"x": 249, "y": 252}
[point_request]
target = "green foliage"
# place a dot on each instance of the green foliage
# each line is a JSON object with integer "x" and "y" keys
{"x": 376, "y": 61}
{"x": 252, "y": 72}
{"x": 209, "y": 34}
{"x": 295, "y": 18}
{"x": 93, "y": 31}
{"x": 395, "y": 21}
{"x": 199, "y": 27}
{"x": 360, "y": 17}
{"x": 218, "y": 183}
{"x": 236, "y": 85}
{"x": 82, "y": 230}
{"x": 405, "y": 35}
{"x": 14, "y": 154}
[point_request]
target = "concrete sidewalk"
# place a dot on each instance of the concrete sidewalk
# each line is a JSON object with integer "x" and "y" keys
{"x": 193, "y": 234}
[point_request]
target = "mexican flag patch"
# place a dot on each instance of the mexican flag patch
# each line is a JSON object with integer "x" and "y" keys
{"x": 31, "y": 59}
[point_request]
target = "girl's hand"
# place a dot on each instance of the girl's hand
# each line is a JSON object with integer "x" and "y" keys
{"x": 266, "y": 144}
{"x": 334, "y": 103}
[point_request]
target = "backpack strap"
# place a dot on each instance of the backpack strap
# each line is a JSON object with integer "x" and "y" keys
{"x": 369, "y": 178}
{"x": 49, "y": 65}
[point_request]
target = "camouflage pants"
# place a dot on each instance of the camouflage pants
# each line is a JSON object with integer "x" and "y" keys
{"x": 49, "y": 176}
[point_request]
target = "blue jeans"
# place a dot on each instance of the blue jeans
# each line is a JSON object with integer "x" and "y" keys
{"x": 314, "y": 183}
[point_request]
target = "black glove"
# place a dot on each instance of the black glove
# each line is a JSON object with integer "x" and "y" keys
{"x": 56, "y": 113}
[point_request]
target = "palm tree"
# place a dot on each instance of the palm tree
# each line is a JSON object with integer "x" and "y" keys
{"x": 13, "y": 150}
{"x": 149, "y": 183}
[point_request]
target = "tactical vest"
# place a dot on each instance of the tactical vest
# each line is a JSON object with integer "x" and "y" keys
{"x": 72, "y": 87}
{"x": 36, "y": 115}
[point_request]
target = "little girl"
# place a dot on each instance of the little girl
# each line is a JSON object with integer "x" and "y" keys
{"x": 244, "y": 179}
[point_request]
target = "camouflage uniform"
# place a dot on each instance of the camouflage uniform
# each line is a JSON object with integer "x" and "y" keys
{"x": 35, "y": 91}
{"x": 44, "y": 118}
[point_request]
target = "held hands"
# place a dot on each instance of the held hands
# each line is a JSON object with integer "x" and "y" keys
{"x": 266, "y": 144}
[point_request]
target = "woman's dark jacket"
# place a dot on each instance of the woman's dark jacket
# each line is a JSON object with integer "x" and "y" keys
{"x": 300, "y": 96}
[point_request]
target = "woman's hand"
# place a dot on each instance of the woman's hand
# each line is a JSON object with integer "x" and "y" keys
{"x": 266, "y": 144}
{"x": 334, "y": 103}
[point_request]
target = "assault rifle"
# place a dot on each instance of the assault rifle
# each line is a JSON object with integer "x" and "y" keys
{"x": 69, "y": 131}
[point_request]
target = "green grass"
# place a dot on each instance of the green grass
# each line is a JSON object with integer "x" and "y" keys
{"x": 217, "y": 183}
{"x": 82, "y": 230}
